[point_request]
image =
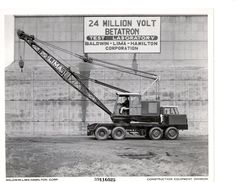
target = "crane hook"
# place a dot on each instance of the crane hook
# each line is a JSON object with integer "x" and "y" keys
{"x": 21, "y": 64}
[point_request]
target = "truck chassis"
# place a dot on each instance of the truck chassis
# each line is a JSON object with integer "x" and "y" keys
{"x": 151, "y": 130}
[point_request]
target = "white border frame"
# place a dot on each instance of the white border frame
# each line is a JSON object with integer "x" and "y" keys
{"x": 9, "y": 55}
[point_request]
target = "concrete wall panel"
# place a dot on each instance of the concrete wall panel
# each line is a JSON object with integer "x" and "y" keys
{"x": 19, "y": 110}
{"x": 19, "y": 90}
{"x": 50, "y": 90}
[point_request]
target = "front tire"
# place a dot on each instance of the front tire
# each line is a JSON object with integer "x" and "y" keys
{"x": 155, "y": 133}
{"x": 172, "y": 133}
{"x": 118, "y": 133}
{"x": 101, "y": 133}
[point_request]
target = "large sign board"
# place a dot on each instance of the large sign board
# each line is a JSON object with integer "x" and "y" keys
{"x": 122, "y": 34}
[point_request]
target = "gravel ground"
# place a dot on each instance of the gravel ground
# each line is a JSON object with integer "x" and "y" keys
{"x": 85, "y": 156}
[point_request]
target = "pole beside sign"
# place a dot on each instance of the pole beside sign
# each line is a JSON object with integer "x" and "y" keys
{"x": 121, "y": 34}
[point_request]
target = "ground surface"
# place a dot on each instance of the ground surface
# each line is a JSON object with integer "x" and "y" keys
{"x": 85, "y": 156}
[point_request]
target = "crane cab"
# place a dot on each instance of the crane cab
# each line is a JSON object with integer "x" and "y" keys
{"x": 127, "y": 104}
{"x": 136, "y": 110}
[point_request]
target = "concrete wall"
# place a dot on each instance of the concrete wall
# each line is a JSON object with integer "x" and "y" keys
{"x": 39, "y": 103}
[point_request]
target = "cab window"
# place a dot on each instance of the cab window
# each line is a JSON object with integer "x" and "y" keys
{"x": 121, "y": 99}
{"x": 170, "y": 111}
{"x": 166, "y": 110}
{"x": 176, "y": 110}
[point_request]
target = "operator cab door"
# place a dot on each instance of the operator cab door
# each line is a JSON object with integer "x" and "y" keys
{"x": 133, "y": 108}
{"x": 120, "y": 99}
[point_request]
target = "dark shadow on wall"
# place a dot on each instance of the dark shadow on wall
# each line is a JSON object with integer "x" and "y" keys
{"x": 85, "y": 70}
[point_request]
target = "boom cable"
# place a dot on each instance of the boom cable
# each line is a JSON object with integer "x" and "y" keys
{"x": 85, "y": 77}
{"x": 101, "y": 62}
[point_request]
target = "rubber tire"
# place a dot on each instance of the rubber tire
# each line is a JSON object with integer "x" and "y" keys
{"x": 114, "y": 133}
{"x": 98, "y": 133}
{"x": 168, "y": 134}
{"x": 152, "y": 137}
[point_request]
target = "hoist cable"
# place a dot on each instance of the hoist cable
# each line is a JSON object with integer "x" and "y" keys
{"x": 102, "y": 83}
{"x": 98, "y": 64}
{"x": 64, "y": 61}
{"x": 109, "y": 67}
{"x": 101, "y": 61}
{"x": 23, "y": 57}
{"x": 88, "y": 78}
{"x": 19, "y": 49}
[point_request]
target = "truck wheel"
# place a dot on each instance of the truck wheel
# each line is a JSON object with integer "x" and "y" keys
{"x": 155, "y": 133}
{"x": 171, "y": 133}
{"x": 101, "y": 133}
{"x": 118, "y": 133}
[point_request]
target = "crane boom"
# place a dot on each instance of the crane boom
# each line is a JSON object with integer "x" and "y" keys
{"x": 64, "y": 72}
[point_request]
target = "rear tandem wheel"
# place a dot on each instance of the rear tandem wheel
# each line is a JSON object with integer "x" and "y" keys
{"x": 118, "y": 133}
{"x": 101, "y": 133}
{"x": 155, "y": 133}
{"x": 172, "y": 133}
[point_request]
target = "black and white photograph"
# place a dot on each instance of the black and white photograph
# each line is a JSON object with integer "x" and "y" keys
{"x": 107, "y": 95}
{"x": 117, "y": 91}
